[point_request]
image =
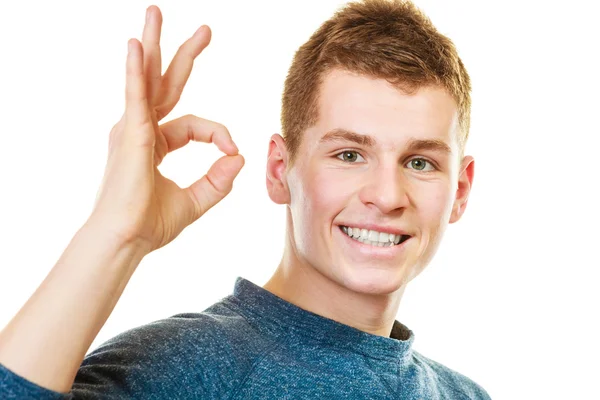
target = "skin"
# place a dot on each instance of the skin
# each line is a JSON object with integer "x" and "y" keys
{"x": 138, "y": 210}
{"x": 408, "y": 177}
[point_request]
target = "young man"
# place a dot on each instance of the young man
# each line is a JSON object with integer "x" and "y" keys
{"x": 375, "y": 117}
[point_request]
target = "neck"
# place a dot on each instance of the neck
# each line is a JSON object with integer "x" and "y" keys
{"x": 301, "y": 284}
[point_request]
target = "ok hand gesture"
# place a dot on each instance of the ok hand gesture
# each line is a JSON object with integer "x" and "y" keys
{"x": 135, "y": 203}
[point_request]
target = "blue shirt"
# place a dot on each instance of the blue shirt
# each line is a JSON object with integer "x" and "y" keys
{"x": 254, "y": 345}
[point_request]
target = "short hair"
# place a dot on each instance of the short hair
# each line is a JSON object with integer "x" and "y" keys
{"x": 387, "y": 39}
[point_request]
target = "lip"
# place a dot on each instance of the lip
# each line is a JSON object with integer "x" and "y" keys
{"x": 378, "y": 228}
{"x": 370, "y": 251}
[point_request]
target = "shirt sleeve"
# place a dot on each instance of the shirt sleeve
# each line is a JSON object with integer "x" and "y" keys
{"x": 119, "y": 369}
{"x": 13, "y": 386}
{"x": 132, "y": 365}
{"x": 186, "y": 357}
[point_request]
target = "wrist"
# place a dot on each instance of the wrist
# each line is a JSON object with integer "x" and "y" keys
{"x": 98, "y": 232}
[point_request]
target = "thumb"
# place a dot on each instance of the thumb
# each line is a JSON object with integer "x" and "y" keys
{"x": 216, "y": 184}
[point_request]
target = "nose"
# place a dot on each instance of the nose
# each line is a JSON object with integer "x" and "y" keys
{"x": 386, "y": 188}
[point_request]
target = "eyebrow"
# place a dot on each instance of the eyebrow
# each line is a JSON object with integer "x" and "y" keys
{"x": 340, "y": 134}
{"x": 429, "y": 144}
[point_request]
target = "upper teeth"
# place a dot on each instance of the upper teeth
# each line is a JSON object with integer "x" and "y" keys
{"x": 372, "y": 236}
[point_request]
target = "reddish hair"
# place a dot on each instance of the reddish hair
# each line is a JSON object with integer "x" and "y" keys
{"x": 386, "y": 39}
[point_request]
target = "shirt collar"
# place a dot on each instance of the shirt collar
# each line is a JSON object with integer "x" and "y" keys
{"x": 276, "y": 316}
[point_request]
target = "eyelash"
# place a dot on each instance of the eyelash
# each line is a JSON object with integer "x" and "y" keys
{"x": 412, "y": 159}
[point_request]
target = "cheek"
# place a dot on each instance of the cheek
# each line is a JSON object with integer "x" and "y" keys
{"x": 315, "y": 204}
{"x": 433, "y": 203}
{"x": 328, "y": 192}
{"x": 433, "y": 208}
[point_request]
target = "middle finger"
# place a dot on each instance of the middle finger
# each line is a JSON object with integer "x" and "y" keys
{"x": 179, "y": 70}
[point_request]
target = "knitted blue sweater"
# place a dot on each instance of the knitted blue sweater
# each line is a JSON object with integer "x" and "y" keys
{"x": 254, "y": 345}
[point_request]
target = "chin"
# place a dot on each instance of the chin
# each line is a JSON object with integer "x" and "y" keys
{"x": 373, "y": 281}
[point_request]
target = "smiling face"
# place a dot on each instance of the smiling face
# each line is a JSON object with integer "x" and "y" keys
{"x": 375, "y": 182}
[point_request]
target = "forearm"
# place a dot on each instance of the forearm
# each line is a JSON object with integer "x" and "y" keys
{"x": 48, "y": 338}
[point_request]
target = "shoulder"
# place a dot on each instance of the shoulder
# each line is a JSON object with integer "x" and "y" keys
{"x": 204, "y": 352}
{"x": 452, "y": 382}
{"x": 216, "y": 327}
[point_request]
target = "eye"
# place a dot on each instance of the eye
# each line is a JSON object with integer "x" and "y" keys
{"x": 350, "y": 156}
{"x": 420, "y": 164}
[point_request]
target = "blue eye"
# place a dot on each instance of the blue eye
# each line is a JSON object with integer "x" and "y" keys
{"x": 350, "y": 156}
{"x": 420, "y": 164}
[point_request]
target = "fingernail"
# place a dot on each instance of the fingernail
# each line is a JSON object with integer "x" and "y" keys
{"x": 129, "y": 47}
{"x": 148, "y": 14}
{"x": 199, "y": 30}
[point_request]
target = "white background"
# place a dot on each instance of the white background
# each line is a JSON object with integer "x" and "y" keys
{"x": 511, "y": 299}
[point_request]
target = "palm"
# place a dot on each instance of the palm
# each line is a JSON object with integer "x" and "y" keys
{"x": 166, "y": 196}
{"x": 171, "y": 211}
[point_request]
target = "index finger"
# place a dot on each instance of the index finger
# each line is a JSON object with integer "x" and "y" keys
{"x": 181, "y": 131}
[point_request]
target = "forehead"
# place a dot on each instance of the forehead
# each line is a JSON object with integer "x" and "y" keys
{"x": 374, "y": 107}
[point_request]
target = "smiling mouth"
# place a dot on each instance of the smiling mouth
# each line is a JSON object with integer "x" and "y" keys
{"x": 374, "y": 238}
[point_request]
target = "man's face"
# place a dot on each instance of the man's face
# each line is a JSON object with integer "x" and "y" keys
{"x": 378, "y": 162}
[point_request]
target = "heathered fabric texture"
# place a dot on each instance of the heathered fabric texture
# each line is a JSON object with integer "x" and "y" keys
{"x": 254, "y": 345}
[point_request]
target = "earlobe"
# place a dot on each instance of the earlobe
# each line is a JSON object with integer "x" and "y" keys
{"x": 465, "y": 182}
{"x": 277, "y": 160}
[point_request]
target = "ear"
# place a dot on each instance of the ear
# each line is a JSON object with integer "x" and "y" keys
{"x": 277, "y": 161}
{"x": 465, "y": 182}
